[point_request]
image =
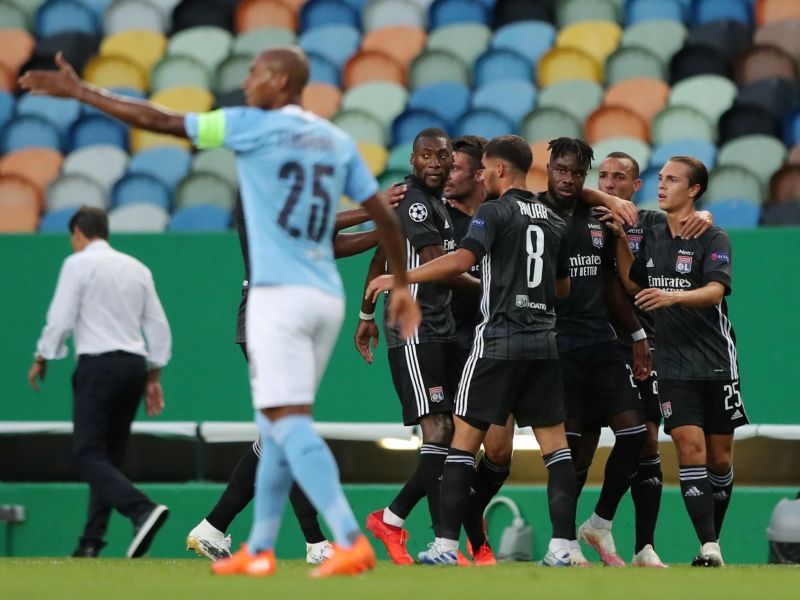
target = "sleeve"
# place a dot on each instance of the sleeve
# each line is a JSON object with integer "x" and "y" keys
{"x": 608, "y": 254}
{"x": 482, "y": 231}
{"x": 361, "y": 184}
{"x": 416, "y": 217}
{"x": 238, "y": 129}
{"x": 651, "y": 218}
{"x": 155, "y": 326}
{"x": 63, "y": 312}
{"x": 562, "y": 260}
{"x": 717, "y": 261}
{"x": 638, "y": 274}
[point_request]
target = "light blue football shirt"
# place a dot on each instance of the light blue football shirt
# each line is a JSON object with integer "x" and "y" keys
{"x": 293, "y": 168}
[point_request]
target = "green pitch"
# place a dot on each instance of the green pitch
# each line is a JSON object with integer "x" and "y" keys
{"x": 174, "y": 579}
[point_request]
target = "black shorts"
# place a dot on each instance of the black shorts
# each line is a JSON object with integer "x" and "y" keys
{"x": 648, "y": 389}
{"x": 716, "y": 406}
{"x": 598, "y": 383}
{"x": 425, "y": 377}
{"x": 531, "y": 390}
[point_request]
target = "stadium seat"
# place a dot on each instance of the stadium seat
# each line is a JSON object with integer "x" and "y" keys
{"x": 168, "y": 165}
{"x": 447, "y": 12}
{"x": 322, "y": 99}
{"x": 77, "y": 47}
{"x": 390, "y": 177}
{"x": 680, "y": 122}
{"x": 181, "y": 99}
{"x": 19, "y": 205}
{"x": 703, "y": 150}
{"x": 712, "y": 95}
{"x": 598, "y": 39}
{"x": 732, "y": 181}
{"x": 378, "y": 14}
{"x": 636, "y": 148}
{"x": 384, "y": 100}
{"x": 323, "y": 70}
{"x": 561, "y": 64}
{"x": 569, "y": 12}
{"x": 362, "y": 126}
{"x": 13, "y": 17}
{"x": 781, "y": 214}
{"x": 694, "y": 59}
{"x": 200, "y": 218}
{"x": 662, "y": 38}
{"x": 784, "y": 185}
{"x": 177, "y": 69}
{"x": 74, "y": 190}
{"x": 735, "y": 214}
{"x": 30, "y": 132}
{"x": 541, "y": 153}
{"x": 40, "y": 166}
{"x": 779, "y": 96}
{"x": 484, "y": 122}
{"x": 741, "y": 120}
{"x": 61, "y": 112}
{"x": 255, "y": 14}
{"x": 230, "y": 74}
{"x": 511, "y": 11}
{"x": 498, "y": 65}
{"x": 763, "y": 62}
{"x": 513, "y": 98}
{"x": 466, "y": 40}
{"x": 205, "y": 188}
{"x": 648, "y": 193}
{"x": 550, "y": 123}
{"x": 630, "y": 62}
{"x": 207, "y": 45}
{"x": 255, "y": 41}
{"x": 219, "y": 161}
{"x": 794, "y": 155}
{"x": 17, "y": 46}
{"x": 608, "y": 122}
{"x": 644, "y": 96}
{"x": 57, "y": 221}
{"x": 536, "y": 180}
{"x": 103, "y": 164}
{"x": 96, "y": 129}
{"x": 142, "y": 47}
{"x": 319, "y": 13}
{"x": 29, "y": 7}
{"x": 198, "y": 13}
{"x": 135, "y": 188}
{"x": 729, "y": 38}
{"x": 705, "y": 11}
{"x": 124, "y": 15}
{"x": 138, "y": 218}
{"x": 413, "y": 120}
{"x": 62, "y": 16}
{"x": 7, "y": 105}
{"x": 579, "y": 97}
{"x": 782, "y": 34}
{"x": 772, "y": 11}
{"x": 434, "y": 66}
{"x": 401, "y": 42}
{"x": 762, "y": 154}
{"x": 641, "y": 11}
{"x": 372, "y": 65}
{"x": 530, "y": 38}
{"x": 374, "y": 155}
{"x": 337, "y": 43}
{"x": 399, "y": 156}
{"x": 115, "y": 72}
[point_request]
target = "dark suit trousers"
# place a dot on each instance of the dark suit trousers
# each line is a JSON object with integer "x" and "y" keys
{"x": 107, "y": 390}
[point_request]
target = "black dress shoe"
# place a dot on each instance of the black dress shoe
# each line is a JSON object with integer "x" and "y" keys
{"x": 86, "y": 552}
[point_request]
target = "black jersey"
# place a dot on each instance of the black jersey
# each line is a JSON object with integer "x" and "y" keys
{"x": 693, "y": 343}
{"x": 425, "y": 222}
{"x": 583, "y": 316}
{"x": 521, "y": 246}
{"x": 465, "y": 306}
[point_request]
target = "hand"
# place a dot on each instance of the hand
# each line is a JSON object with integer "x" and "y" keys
{"x": 395, "y": 194}
{"x": 623, "y": 211}
{"x": 653, "y": 298}
{"x": 696, "y": 224}
{"x": 366, "y": 339}
{"x": 63, "y": 83}
{"x": 608, "y": 220}
{"x": 404, "y": 312}
{"x": 642, "y": 360}
{"x": 154, "y": 399}
{"x": 38, "y": 370}
{"x": 381, "y": 283}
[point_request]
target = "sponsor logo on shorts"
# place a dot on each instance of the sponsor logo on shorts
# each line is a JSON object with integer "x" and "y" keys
{"x": 684, "y": 264}
{"x": 437, "y": 394}
{"x": 666, "y": 409}
{"x": 418, "y": 212}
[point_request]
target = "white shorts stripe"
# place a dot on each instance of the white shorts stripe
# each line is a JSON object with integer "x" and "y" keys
{"x": 417, "y": 382}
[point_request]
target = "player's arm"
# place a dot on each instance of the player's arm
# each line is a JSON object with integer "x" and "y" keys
{"x": 620, "y": 306}
{"x": 623, "y": 211}
{"x": 705, "y": 297}
{"x": 445, "y": 267}
{"x": 350, "y": 244}
{"x": 624, "y": 256}
{"x": 65, "y": 83}
{"x": 456, "y": 280}
{"x": 357, "y": 216}
{"x": 367, "y": 335}
{"x": 692, "y": 226}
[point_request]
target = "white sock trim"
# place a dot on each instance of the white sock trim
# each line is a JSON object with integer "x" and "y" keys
{"x": 599, "y": 522}
{"x": 392, "y": 519}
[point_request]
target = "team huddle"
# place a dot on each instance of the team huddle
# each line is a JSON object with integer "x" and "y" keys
{"x": 553, "y": 309}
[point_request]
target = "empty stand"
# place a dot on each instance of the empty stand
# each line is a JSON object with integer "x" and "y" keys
{"x": 200, "y": 218}
{"x": 319, "y": 13}
{"x": 412, "y": 121}
{"x": 385, "y": 13}
{"x": 448, "y": 99}
{"x": 579, "y": 97}
{"x": 466, "y": 40}
{"x": 20, "y": 201}
{"x": 73, "y": 190}
{"x": 643, "y": 95}
{"x": 485, "y": 122}
{"x": 401, "y": 42}
{"x": 630, "y": 62}
{"x": 496, "y": 65}
{"x": 608, "y": 122}
{"x": 103, "y": 164}
{"x": 512, "y": 98}
{"x": 681, "y": 122}
{"x": 336, "y": 42}
{"x": 434, "y": 66}
{"x": 372, "y": 65}
{"x": 138, "y": 218}
{"x": 382, "y": 99}
{"x": 322, "y": 99}
{"x": 712, "y": 95}
{"x": 39, "y": 166}
{"x": 741, "y": 120}
{"x": 697, "y": 59}
{"x": 561, "y": 64}
{"x": 661, "y": 37}
{"x": 761, "y": 154}
{"x": 205, "y": 188}
{"x": 550, "y": 123}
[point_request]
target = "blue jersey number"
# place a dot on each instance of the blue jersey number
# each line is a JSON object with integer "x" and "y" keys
{"x": 315, "y": 227}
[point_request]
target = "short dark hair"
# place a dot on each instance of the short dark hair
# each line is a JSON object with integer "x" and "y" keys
{"x": 473, "y": 146}
{"x": 512, "y": 149}
{"x": 698, "y": 174}
{"x": 91, "y": 222}
{"x": 430, "y": 132}
{"x": 626, "y": 156}
{"x": 562, "y": 146}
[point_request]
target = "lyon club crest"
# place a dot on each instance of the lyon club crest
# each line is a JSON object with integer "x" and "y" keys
{"x": 597, "y": 238}
{"x": 666, "y": 409}
{"x": 684, "y": 264}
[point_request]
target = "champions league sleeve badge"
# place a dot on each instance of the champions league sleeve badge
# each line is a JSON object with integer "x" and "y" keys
{"x": 418, "y": 212}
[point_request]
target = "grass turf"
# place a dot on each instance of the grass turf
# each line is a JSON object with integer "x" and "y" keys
{"x": 156, "y": 578}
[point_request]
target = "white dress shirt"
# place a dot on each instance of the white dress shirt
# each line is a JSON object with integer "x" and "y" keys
{"x": 106, "y": 298}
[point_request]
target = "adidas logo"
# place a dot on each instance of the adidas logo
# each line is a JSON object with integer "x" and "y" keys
{"x": 736, "y": 415}
{"x": 693, "y": 492}
{"x": 650, "y": 263}
{"x": 720, "y": 496}
{"x": 651, "y": 481}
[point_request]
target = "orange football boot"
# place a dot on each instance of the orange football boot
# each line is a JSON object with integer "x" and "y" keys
{"x": 244, "y": 563}
{"x": 358, "y": 558}
{"x": 393, "y": 537}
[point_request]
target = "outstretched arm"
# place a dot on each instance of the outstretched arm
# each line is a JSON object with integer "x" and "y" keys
{"x": 624, "y": 211}
{"x": 65, "y": 83}
{"x": 440, "y": 269}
